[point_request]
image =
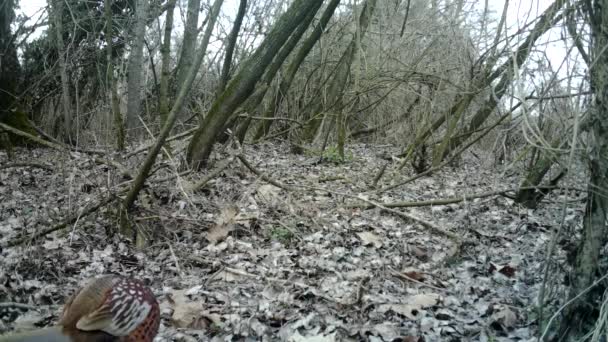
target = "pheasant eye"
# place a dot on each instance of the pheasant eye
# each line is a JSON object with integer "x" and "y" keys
{"x": 134, "y": 314}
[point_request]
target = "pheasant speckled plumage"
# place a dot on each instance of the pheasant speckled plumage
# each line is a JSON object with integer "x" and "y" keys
{"x": 109, "y": 308}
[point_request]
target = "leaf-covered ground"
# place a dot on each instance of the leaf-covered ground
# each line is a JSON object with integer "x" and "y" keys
{"x": 242, "y": 259}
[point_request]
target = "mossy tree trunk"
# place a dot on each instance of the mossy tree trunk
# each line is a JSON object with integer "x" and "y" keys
{"x": 243, "y": 84}
{"x": 291, "y": 70}
{"x": 253, "y": 102}
{"x": 165, "y": 73}
{"x": 527, "y": 195}
{"x": 577, "y": 320}
{"x": 339, "y": 80}
{"x": 482, "y": 78}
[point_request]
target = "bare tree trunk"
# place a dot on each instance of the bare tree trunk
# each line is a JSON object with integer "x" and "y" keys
{"x": 340, "y": 77}
{"x": 230, "y": 45}
{"x": 243, "y": 84}
{"x": 479, "y": 81}
{"x": 189, "y": 43}
{"x": 66, "y": 103}
{"x": 184, "y": 89}
{"x": 527, "y": 194}
{"x": 9, "y": 76}
{"x": 119, "y": 127}
{"x": 135, "y": 67}
{"x": 453, "y": 140}
{"x": 9, "y": 64}
{"x": 165, "y": 73}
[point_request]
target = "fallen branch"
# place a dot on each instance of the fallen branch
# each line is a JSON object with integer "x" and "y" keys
{"x": 429, "y": 225}
{"x": 202, "y": 182}
{"x": 451, "y": 158}
{"x": 411, "y": 217}
{"x": 63, "y": 148}
{"x": 32, "y": 137}
{"x": 115, "y": 195}
{"x": 264, "y": 176}
{"x": 175, "y": 137}
{"x": 34, "y": 165}
{"x": 444, "y": 201}
{"x": 464, "y": 198}
{"x": 18, "y": 306}
{"x": 67, "y": 147}
{"x": 85, "y": 211}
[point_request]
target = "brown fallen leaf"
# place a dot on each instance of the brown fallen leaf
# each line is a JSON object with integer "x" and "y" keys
{"x": 507, "y": 271}
{"x": 412, "y": 309}
{"x": 410, "y": 339}
{"x": 190, "y": 314}
{"x": 223, "y": 226}
{"x": 418, "y": 252}
{"x": 413, "y": 274}
{"x": 503, "y": 318}
{"x": 369, "y": 238}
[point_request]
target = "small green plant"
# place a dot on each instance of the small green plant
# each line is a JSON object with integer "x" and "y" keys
{"x": 281, "y": 234}
{"x": 331, "y": 154}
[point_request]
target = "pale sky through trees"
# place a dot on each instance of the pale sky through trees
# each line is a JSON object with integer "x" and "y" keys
{"x": 520, "y": 13}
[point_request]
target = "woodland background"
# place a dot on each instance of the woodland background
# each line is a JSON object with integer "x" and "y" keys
{"x": 154, "y": 105}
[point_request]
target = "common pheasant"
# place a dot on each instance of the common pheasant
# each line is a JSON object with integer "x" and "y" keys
{"x": 108, "y": 309}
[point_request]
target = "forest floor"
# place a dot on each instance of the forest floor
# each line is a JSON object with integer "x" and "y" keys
{"x": 244, "y": 260}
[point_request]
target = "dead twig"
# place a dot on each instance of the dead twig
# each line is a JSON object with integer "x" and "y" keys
{"x": 281, "y": 281}
{"x": 405, "y": 277}
{"x": 219, "y": 169}
{"x": 83, "y": 212}
{"x": 429, "y": 225}
{"x": 32, "y": 138}
{"x": 63, "y": 148}
{"x": 121, "y": 189}
{"x": 175, "y": 137}
{"x": 264, "y": 176}
{"x": 18, "y": 306}
{"x": 34, "y": 165}
{"x": 464, "y": 198}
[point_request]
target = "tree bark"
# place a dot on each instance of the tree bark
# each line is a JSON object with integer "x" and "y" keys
{"x": 9, "y": 64}
{"x": 119, "y": 127}
{"x": 254, "y": 101}
{"x": 66, "y": 103}
{"x": 184, "y": 89}
{"x": 577, "y": 320}
{"x": 292, "y": 69}
{"x": 165, "y": 73}
{"x": 243, "y": 84}
{"x": 189, "y": 43}
{"x": 230, "y": 45}
{"x": 453, "y": 140}
{"x": 340, "y": 77}
{"x": 135, "y": 67}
